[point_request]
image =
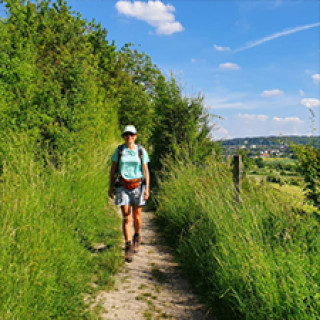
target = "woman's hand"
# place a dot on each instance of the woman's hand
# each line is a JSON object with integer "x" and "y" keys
{"x": 146, "y": 193}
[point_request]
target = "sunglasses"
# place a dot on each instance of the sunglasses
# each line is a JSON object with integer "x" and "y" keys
{"x": 129, "y": 134}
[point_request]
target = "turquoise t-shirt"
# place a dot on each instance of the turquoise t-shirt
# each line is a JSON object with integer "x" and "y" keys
{"x": 130, "y": 163}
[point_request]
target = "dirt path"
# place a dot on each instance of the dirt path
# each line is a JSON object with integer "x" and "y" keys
{"x": 151, "y": 287}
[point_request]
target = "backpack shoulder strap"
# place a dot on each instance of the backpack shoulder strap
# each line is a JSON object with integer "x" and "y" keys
{"x": 140, "y": 150}
{"x": 120, "y": 149}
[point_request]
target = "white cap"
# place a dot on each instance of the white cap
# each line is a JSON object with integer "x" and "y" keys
{"x": 130, "y": 129}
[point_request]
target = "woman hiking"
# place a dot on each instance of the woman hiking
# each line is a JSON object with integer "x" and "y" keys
{"x": 130, "y": 161}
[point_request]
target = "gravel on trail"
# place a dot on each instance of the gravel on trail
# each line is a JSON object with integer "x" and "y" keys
{"x": 151, "y": 286}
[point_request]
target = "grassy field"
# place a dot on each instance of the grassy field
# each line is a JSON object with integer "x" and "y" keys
{"x": 283, "y": 171}
{"x": 257, "y": 259}
{"x": 50, "y": 220}
{"x": 280, "y": 160}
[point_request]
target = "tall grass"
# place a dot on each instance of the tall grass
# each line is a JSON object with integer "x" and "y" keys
{"x": 49, "y": 220}
{"x": 257, "y": 259}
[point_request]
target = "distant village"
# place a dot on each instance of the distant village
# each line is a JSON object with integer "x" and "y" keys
{"x": 263, "y": 147}
{"x": 258, "y": 151}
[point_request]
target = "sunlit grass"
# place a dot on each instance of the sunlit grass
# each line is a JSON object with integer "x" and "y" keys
{"x": 279, "y": 160}
{"x": 50, "y": 218}
{"x": 251, "y": 260}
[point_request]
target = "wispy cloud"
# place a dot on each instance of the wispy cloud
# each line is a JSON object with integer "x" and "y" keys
{"x": 277, "y": 35}
{"x": 220, "y": 133}
{"x": 193, "y": 60}
{"x": 310, "y": 102}
{"x": 254, "y": 125}
{"x": 271, "y": 93}
{"x": 155, "y": 13}
{"x": 219, "y": 48}
{"x": 230, "y": 105}
{"x": 256, "y": 117}
{"x": 221, "y": 99}
{"x": 301, "y": 92}
{"x": 287, "y": 120}
{"x": 229, "y": 65}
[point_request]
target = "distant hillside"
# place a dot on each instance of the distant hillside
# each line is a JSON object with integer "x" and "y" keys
{"x": 270, "y": 142}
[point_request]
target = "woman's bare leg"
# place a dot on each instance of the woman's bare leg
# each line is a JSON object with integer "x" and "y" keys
{"x": 137, "y": 218}
{"x": 126, "y": 222}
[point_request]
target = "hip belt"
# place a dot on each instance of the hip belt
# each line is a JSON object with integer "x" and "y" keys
{"x": 130, "y": 184}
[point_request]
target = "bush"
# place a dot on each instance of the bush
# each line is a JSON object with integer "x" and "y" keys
{"x": 275, "y": 178}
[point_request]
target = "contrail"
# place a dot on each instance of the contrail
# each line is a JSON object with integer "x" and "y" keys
{"x": 277, "y": 35}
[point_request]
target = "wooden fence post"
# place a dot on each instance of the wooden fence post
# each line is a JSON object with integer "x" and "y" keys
{"x": 237, "y": 173}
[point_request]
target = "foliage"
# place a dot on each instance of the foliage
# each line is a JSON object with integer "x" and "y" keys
{"x": 51, "y": 82}
{"x": 58, "y": 121}
{"x": 135, "y": 84}
{"x": 259, "y": 163}
{"x": 251, "y": 260}
{"x": 49, "y": 226}
{"x": 64, "y": 91}
{"x": 246, "y": 161}
{"x": 309, "y": 166}
{"x": 183, "y": 127}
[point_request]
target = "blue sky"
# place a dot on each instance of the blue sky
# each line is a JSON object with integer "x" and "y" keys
{"x": 256, "y": 62}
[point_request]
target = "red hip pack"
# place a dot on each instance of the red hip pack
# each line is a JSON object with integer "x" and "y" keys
{"x": 130, "y": 184}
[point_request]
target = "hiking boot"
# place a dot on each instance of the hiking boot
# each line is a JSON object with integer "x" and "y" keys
{"x": 129, "y": 252}
{"x": 136, "y": 242}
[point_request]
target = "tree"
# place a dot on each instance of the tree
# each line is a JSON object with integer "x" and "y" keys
{"x": 309, "y": 166}
{"x": 259, "y": 162}
{"x": 135, "y": 81}
{"x": 182, "y": 124}
{"x": 55, "y": 76}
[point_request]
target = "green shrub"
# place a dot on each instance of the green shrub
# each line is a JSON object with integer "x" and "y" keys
{"x": 275, "y": 178}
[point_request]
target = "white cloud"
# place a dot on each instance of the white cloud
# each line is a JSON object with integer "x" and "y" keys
{"x": 316, "y": 77}
{"x": 271, "y": 93}
{"x": 193, "y": 60}
{"x": 220, "y": 133}
{"x": 277, "y": 35}
{"x": 287, "y": 120}
{"x": 155, "y": 13}
{"x": 250, "y": 115}
{"x": 229, "y": 65}
{"x": 218, "y": 48}
{"x": 288, "y": 126}
{"x": 301, "y": 92}
{"x": 254, "y": 125}
{"x": 310, "y": 102}
{"x": 255, "y": 117}
{"x": 221, "y": 98}
{"x": 169, "y": 27}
